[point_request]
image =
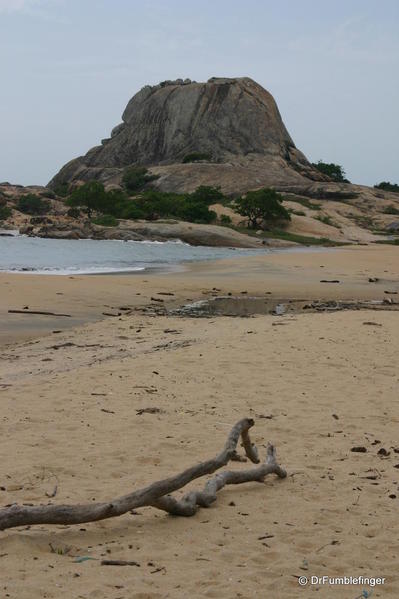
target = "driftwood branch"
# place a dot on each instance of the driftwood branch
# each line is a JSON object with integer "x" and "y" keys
{"x": 189, "y": 504}
{"x": 154, "y": 494}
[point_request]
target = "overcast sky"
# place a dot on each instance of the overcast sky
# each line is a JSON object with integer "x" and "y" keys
{"x": 69, "y": 67}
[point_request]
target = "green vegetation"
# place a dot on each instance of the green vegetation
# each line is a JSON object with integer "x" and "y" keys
{"x": 5, "y": 212}
{"x": 106, "y": 220}
{"x": 334, "y": 171}
{"x": 327, "y": 220}
{"x": 297, "y": 212}
{"x": 73, "y": 213}
{"x": 302, "y": 239}
{"x": 91, "y": 196}
{"x": 391, "y": 210}
{"x": 262, "y": 206}
{"x": 149, "y": 205}
{"x": 32, "y": 204}
{"x": 136, "y": 178}
{"x": 225, "y": 219}
{"x": 62, "y": 189}
{"x": 303, "y": 201}
{"x": 387, "y": 186}
{"x": 196, "y": 157}
{"x": 48, "y": 193}
{"x": 394, "y": 241}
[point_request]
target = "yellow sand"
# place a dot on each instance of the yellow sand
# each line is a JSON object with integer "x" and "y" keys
{"x": 326, "y": 518}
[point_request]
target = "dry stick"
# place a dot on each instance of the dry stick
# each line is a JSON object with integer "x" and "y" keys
{"x": 18, "y": 515}
{"x": 40, "y": 312}
{"x": 189, "y": 504}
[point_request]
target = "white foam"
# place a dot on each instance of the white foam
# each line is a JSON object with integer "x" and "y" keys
{"x": 101, "y": 270}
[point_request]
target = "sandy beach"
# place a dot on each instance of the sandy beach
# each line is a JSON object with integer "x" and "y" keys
{"x": 316, "y": 384}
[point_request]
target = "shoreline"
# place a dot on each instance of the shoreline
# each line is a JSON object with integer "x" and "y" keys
{"x": 285, "y": 274}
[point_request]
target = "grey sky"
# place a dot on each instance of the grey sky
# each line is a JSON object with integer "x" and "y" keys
{"x": 69, "y": 67}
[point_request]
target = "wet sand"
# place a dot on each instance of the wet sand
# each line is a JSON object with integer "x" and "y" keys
{"x": 317, "y": 385}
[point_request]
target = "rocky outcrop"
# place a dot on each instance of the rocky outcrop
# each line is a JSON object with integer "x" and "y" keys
{"x": 194, "y": 234}
{"x": 234, "y": 123}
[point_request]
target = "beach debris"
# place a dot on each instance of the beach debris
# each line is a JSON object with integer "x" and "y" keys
{"x": 391, "y": 292}
{"x": 118, "y": 562}
{"x": 107, "y": 411}
{"x": 53, "y": 492}
{"x": 161, "y": 569}
{"x": 39, "y": 312}
{"x": 373, "y": 279}
{"x": 330, "y": 281}
{"x": 83, "y": 558}
{"x": 165, "y": 293}
{"x": 372, "y": 324}
{"x": 60, "y": 550}
{"x": 383, "y": 453}
{"x": 359, "y": 449}
{"x": 111, "y": 314}
{"x": 157, "y": 299}
{"x": 157, "y": 494}
{"x": 335, "y": 416}
{"x": 149, "y": 411}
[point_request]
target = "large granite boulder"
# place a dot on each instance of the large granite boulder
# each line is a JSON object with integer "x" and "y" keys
{"x": 234, "y": 123}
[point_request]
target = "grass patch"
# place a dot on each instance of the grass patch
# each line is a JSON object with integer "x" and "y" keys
{"x": 297, "y": 212}
{"x": 287, "y": 236}
{"x": 106, "y": 220}
{"x": 388, "y": 241}
{"x": 303, "y": 201}
{"x": 391, "y": 210}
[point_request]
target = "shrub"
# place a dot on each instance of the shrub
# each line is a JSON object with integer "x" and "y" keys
{"x": 195, "y": 212}
{"x": 207, "y": 195}
{"x": 327, "y": 220}
{"x": 48, "y": 193}
{"x": 62, "y": 189}
{"x": 91, "y": 196}
{"x": 73, "y": 213}
{"x": 196, "y": 157}
{"x": 387, "y": 186}
{"x": 391, "y": 210}
{"x": 263, "y": 205}
{"x": 225, "y": 219}
{"x": 5, "y": 212}
{"x": 32, "y": 204}
{"x": 106, "y": 220}
{"x": 334, "y": 171}
{"x": 136, "y": 177}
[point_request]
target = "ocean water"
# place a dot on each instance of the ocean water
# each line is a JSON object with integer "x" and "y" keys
{"x": 85, "y": 256}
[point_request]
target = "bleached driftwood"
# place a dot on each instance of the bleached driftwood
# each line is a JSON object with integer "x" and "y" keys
{"x": 156, "y": 494}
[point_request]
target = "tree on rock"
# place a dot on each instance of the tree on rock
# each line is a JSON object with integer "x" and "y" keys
{"x": 334, "y": 171}
{"x": 263, "y": 205}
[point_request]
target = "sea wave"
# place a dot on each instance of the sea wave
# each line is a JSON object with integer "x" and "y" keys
{"x": 101, "y": 270}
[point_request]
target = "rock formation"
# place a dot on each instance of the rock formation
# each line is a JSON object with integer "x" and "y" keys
{"x": 234, "y": 123}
